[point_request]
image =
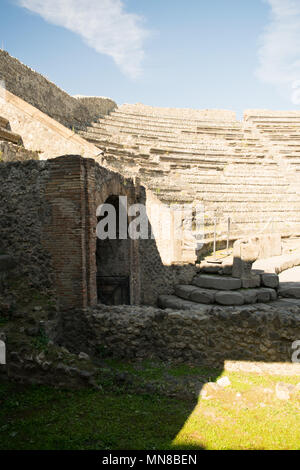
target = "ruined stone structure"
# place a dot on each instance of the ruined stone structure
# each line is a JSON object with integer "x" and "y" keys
{"x": 36, "y": 90}
{"x": 11, "y": 145}
{"x": 61, "y": 157}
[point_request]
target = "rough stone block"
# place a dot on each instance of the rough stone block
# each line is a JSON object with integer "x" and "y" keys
{"x": 217, "y": 282}
{"x": 203, "y": 296}
{"x": 270, "y": 280}
{"x": 229, "y": 298}
{"x": 272, "y": 292}
{"x": 171, "y": 301}
{"x": 287, "y": 290}
{"x": 251, "y": 282}
{"x": 263, "y": 295}
{"x": 184, "y": 291}
{"x": 289, "y": 301}
{"x": 250, "y": 296}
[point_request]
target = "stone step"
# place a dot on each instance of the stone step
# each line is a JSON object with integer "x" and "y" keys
{"x": 174, "y": 145}
{"x": 277, "y": 264}
{"x": 182, "y": 117}
{"x": 290, "y": 290}
{"x": 228, "y": 188}
{"x": 274, "y": 119}
{"x": 238, "y": 194}
{"x": 151, "y": 137}
{"x": 240, "y": 205}
{"x": 180, "y": 161}
{"x": 216, "y": 282}
{"x": 188, "y": 297}
{"x": 168, "y": 128}
{"x": 165, "y": 126}
{"x": 253, "y": 179}
{"x": 195, "y": 294}
{"x": 174, "y": 302}
{"x": 161, "y": 131}
{"x": 289, "y": 285}
{"x": 121, "y": 113}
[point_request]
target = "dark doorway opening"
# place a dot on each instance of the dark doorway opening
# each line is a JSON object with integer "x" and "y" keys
{"x": 113, "y": 260}
{"x": 113, "y": 290}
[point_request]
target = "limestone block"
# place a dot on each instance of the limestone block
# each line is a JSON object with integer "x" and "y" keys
{"x": 217, "y": 282}
{"x": 229, "y": 298}
{"x": 244, "y": 255}
{"x": 269, "y": 245}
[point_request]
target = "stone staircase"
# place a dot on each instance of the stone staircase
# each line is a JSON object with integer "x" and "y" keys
{"x": 281, "y": 130}
{"x": 206, "y": 157}
{"x": 275, "y": 279}
{"x": 208, "y": 289}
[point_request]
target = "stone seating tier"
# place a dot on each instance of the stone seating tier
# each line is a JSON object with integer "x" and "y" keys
{"x": 232, "y": 167}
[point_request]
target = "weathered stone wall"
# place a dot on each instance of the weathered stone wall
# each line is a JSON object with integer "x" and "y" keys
{"x": 97, "y": 106}
{"x": 40, "y": 133}
{"x": 23, "y": 213}
{"x": 159, "y": 272}
{"x": 158, "y": 278}
{"x": 259, "y": 333}
{"x": 38, "y": 91}
{"x": 48, "y": 224}
{"x": 10, "y": 152}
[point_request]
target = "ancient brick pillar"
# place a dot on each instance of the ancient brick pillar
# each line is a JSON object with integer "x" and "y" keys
{"x": 69, "y": 234}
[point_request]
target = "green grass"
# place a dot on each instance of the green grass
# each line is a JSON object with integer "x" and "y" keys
{"x": 149, "y": 370}
{"x": 245, "y": 415}
{"x": 42, "y": 418}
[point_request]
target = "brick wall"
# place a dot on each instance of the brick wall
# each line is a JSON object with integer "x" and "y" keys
{"x": 75, "y": 189}
{"x": 48, "y": 224}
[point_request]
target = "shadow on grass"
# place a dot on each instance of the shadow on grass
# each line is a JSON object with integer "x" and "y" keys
{"x": 116, "y": 418}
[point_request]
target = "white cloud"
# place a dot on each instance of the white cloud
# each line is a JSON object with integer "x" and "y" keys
{"x": 103, "y": 24}
{"x": 279, "y": 53}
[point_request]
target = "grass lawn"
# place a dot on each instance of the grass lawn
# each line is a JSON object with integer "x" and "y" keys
{"x": 245, "y": 415}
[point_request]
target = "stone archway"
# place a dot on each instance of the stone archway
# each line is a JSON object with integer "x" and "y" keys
{"x": 76, "y": 188}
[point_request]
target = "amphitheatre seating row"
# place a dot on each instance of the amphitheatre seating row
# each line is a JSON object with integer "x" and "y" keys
{"x": 223, "y": 163}
{"x": 282, "y": 130}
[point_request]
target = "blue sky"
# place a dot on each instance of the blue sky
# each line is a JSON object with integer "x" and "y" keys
{"x": 229, "y": 54}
